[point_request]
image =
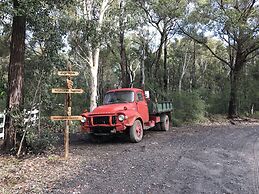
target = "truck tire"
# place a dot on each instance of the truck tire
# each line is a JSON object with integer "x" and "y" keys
{"x": 136, "y": 132}
{"x": 164, "y": 123}
{"x": 158, "y": 127}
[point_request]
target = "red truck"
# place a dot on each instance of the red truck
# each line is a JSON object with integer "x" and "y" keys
{"x": 127, "y": 110}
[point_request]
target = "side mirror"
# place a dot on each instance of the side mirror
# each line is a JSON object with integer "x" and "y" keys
{"x": 147, "y": 95}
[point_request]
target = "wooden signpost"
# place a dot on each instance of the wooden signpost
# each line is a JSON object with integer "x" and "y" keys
{"x": 68, "y": 104}
{"x": 68, "y": 73}
{"x": 66, "y": 91}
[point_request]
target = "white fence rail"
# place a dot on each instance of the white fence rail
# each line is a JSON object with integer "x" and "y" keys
{"x": 2, "y": 123}
{"x": 31, "y": 117}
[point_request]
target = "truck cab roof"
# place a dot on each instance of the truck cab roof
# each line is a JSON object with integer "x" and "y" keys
{"x": 126, "y": 89}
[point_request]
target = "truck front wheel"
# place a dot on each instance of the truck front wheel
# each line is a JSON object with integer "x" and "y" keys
{"x": 136, "y": 132}
{"x": 164, "y": 123}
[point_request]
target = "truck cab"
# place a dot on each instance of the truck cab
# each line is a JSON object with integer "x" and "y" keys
{"x": 123, "y": 110}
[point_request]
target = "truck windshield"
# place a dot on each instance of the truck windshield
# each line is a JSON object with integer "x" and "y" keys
{"x": 118, "y": 97}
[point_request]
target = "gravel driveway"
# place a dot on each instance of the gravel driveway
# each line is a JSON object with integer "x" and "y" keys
{"x": 219, "y": 159}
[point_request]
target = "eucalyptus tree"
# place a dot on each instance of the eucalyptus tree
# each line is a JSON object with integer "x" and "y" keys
{"x": 163, "y": 15}
{"x": 87, "y": 37}
{"x": 22, "y": 14}
{"x": 16, "y": 69}
{"x": 125, "y": 74}
{"x": 236, "y": 23}
{"x": 127, "y": 18}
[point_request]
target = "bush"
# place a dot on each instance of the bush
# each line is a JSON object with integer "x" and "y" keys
{"x": 216, "y": 101}
{"x": 188, "y": 107}
{"x": 39, "y": 142}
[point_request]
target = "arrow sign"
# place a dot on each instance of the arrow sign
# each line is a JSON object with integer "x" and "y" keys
{"x": 68, "y": 73}
{"x": 65, "y": 118}
{"x": 67, "y": 91}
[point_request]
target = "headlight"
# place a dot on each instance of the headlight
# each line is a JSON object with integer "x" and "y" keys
{"x": 83, "y": 120}
{"x": 121, "y": 118}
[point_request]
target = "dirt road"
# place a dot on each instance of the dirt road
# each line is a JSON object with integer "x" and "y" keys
{"x": 202, "y": 159}
{"x": 223, "y": 159}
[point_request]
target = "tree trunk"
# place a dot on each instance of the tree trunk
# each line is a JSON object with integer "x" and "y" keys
{"x": 235, "y": 85}
{"x": 165, "y": 66}
{"x": 193, "y": 70}
{"x": 125, "y": 76}
{"x": 185, "y": 65}
{"x": 93, "y": 88}
{"x": 100, "y": 83}
{"x": 142, "y": 67}
{"x": 159, "y": 54}
{"x": 15, "y": 76}
{"x": 232, "y": 109}
{"x": 93, "y": 53}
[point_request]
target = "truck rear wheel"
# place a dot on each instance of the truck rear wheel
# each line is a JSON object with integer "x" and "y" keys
{"x": 136, "y": 132}
{"x": 164, "y": 123}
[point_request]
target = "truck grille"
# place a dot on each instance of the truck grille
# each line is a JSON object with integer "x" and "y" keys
{"x": 113, "y": 120}
{"x": 101, "y": 120}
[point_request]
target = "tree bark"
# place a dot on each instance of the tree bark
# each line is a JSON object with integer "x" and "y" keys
{"x": 232, "y": 109}
{"x": 94, "y": 80}
{"x": 15, "y": 75}
{"x": 235, "y": 76}
{"x": 142, "y": 66}
{"x": 94, "y": 52}
{"x": 159, "y": 54}
{"x": 165, "y": 66}
{"x": 184, "y": 67}
{"x": 125, "y": 76}
{"x": 193, "y": 71}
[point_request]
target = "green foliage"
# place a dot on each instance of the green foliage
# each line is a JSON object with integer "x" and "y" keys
{"x": 188, "y": 108}
{"x": 4, "y": 52}
{"x": 217, "y": 103}
{"x": 249, "y": 93}
{"x": 40, "y": 142}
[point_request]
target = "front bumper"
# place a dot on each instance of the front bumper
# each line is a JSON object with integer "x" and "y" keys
{"x": 103, "y": 124}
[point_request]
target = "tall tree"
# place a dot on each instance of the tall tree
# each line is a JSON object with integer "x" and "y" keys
{"x": 94, "y": 51}
{"x": 235, "y": 23}
{"x": 15, "y": 72}
{"x": 125, "y": 74}
{"x": 24, "y": 18}
{"x": 86, "y": 40}
{"x": 162, "y": 15}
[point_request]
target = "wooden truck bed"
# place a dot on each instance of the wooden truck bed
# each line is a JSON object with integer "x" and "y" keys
{"x": 159, "y": 107}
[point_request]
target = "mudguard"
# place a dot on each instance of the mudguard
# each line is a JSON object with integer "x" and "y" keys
{"x": 132, "y": 115}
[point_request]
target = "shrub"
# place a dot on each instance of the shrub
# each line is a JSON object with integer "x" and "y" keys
{"x": 40, "y": 142}
{"x": 188, "y": 107}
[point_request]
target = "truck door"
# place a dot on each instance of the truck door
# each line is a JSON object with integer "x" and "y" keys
{"x": 142, "y": 106}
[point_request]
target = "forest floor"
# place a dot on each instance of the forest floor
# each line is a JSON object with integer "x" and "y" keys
{"x": 212, "y": 158}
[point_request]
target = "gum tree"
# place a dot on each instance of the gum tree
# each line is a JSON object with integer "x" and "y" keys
{"x": 86, "y": 39}
{"x": 15, "y": 71}
{"x": 23, "y": 15}
{"x": 236, "y": 23}
{"x": 162, "y": 15}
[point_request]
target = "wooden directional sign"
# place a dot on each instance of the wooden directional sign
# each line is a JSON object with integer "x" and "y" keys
{"x": 67, "y": 91}
{"x": 65, "y": 118}
{"x": 68, "y": 73}
{"x": 68, "y": 104}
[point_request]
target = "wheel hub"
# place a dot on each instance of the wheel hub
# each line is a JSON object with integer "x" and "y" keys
{"x": 138, "y": 130}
